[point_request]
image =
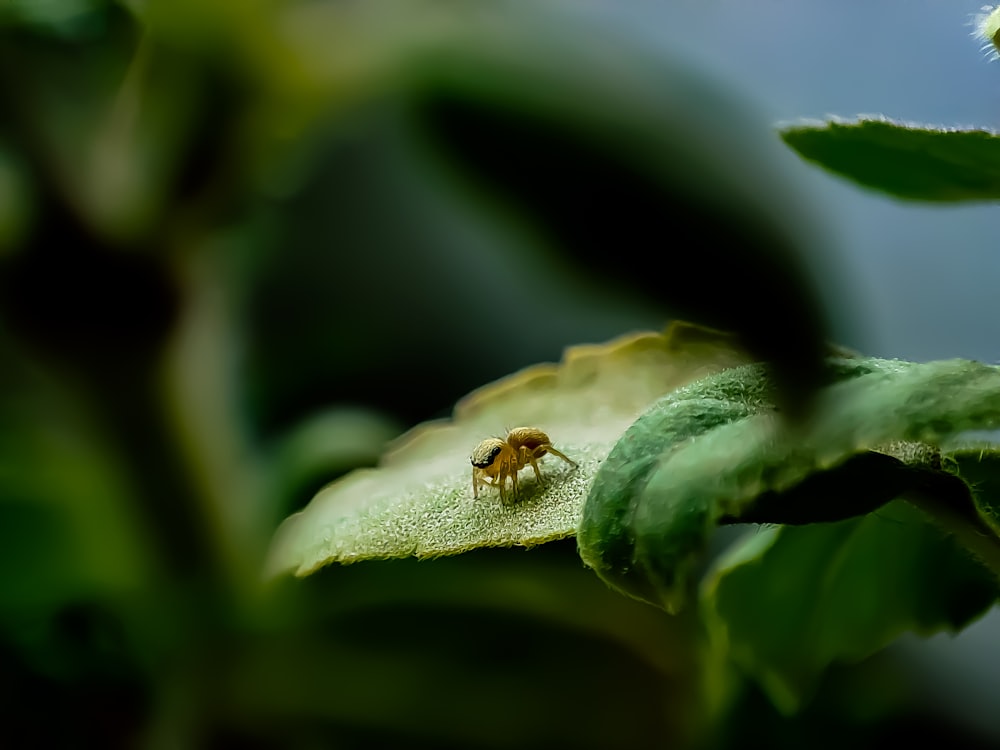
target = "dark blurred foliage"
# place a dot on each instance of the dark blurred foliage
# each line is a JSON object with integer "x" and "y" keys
{"x": 242, "y": 245}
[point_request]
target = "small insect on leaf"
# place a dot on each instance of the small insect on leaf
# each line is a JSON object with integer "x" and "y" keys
{"x": 495, "y": 460}
{"x": 417, "y": 502}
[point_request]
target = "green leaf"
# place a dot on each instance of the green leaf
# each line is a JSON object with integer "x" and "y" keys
{"x": 606, "y": 536}
{"x": 110, "y": 137}
{"x": 592, "y": 156}
{"x": 67, "y": 530}
{"x": 979, "y": 467}
{"x": 907, "y": 161}
{"x": 419, "y": 500}
{"x": 789, "y": 601}
{"x": 18, "y": 202}
{"x": 516, "y": 119}
{"x": 71, "y": 542}
{"x": 712, "y": 452}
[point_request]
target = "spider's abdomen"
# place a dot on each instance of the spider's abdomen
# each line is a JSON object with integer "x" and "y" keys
{"x": 528, "y": 437}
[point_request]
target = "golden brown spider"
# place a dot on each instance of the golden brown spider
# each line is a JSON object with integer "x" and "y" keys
{"x": 493, "y": 460}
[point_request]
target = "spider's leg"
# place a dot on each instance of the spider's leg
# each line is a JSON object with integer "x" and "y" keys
{"x": 530, "y": 456}
{"x": 563, "y": 456}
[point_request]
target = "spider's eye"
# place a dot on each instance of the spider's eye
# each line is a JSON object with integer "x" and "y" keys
{"x": 482, "y": 459}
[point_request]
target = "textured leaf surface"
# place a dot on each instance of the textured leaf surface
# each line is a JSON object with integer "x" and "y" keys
{"x": 906, "y": 161}
{"x": 978, "y": 464}
{"x": 713, "y": 452}
{"x": 419, "y": 500}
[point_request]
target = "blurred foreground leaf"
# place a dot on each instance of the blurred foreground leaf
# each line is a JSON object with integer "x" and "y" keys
{"x": 549, "y": 129}
{"x": 904, "y": 160}
{"x": 612, "y": 156}
{"x": 419, "y": 501}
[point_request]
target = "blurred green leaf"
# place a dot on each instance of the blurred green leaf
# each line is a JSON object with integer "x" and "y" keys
{"x": 65, "y": 19}
{"x": 551, "y": 126}
{"x": 789, "y": 601}
{"x": 419, "y": 501}
{"x": 484, "y": 630}
{"x": 608, "y": 162}
{"x": 711, "y": 453}
{"x": 978, "y": 465}
{"x": 67, "y": 526}
{"x": 17, "y": 201}
{"x": 114, "y": 147}
{"x": 905, "y": 160}
{"x": 329, "y": 444}
{"x": 69, "y": 534}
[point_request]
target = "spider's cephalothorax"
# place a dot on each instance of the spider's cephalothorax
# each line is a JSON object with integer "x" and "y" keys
{"x": 494, "y": 460}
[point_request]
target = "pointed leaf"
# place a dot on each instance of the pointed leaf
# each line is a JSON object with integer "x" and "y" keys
{"x": 905, "y": 160}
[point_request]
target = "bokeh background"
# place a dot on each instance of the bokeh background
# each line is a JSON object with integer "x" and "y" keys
{"x": 226, "y": 278}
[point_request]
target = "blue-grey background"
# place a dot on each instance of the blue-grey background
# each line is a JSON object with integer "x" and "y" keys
{"x": 925, "y": 274}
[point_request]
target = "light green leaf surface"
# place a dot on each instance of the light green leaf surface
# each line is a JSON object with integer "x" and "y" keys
{"x": 419, "y": 500}
{"x": 905, "y": 160}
